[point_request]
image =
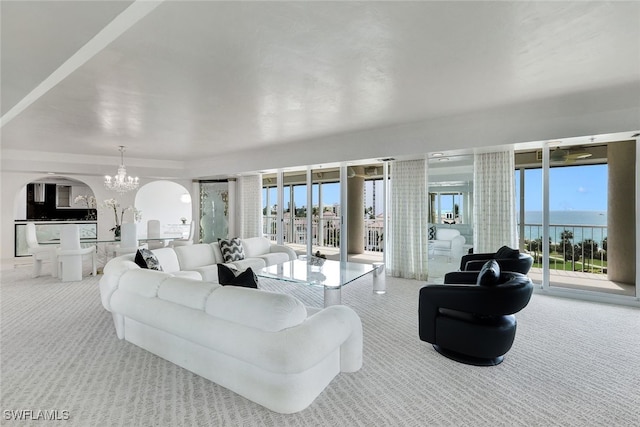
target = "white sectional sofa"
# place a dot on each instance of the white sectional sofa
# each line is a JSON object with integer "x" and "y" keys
{"x": 265, "y": 346}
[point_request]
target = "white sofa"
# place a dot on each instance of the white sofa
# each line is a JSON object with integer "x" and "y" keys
{"x": 265, "y": 346}
{"x": 448, "y": 242}
{"x": 203, "y": 258}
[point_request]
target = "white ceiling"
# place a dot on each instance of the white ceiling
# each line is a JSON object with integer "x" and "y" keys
{"x": 195, "y": 81}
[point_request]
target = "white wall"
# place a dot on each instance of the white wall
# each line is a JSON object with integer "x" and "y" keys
{"x": 161, "y": 200}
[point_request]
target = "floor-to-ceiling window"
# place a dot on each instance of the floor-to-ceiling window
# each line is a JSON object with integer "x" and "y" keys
{"x": 577, "y": 217}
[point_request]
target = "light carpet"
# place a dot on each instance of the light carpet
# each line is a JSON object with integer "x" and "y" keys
{"x": 574, "y": 363}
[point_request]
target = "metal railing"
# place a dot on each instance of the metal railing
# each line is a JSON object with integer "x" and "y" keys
{"x": 325, "y": 232}
{"x": 572, "y": 247}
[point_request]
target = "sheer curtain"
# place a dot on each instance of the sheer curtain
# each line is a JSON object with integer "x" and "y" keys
{"x": 250, "y": 206}
{"x": 408, "y": 224}
{"x": 494, "y": 201}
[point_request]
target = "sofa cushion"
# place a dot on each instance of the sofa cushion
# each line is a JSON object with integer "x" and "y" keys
{"x": 489, "y": 274}
{"x": 147, "y": 259}
{"x": 232, "y": 249}
{"x": 275, "y": 258}
{"x": 142, "y": 282}
{"x": 267, "y": 311}
{"x": 190, "y": 274}
{"x": 191, "y": 257}
{"x": 188, "y": 292}
{"x": 432, "y": 232}
{"x": 255, "y": 246}
{"x": 506, "y": 252}
{"x": 168, "y": 259}
{"x": 256, "y": 264}
{"x": 209, "y": 273}
{"x": 228, "y": 276}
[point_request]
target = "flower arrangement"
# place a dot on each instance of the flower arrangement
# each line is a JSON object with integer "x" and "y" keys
{"x": 114, "y": 204}
{"x": 91, "y": 203}
{"x": 87, "y": 199}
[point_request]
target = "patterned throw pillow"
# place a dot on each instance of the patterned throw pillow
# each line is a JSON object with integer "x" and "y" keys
{"x": 247, "y": 278}
{"x": 231, "y": 249}
{"x": 146, "y": 259}
{"x": 432, "y": 233}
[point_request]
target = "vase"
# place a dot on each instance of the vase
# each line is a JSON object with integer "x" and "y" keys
{"x": 116, "y": 232}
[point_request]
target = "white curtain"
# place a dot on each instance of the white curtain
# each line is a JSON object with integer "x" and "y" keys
{"x": 494, "y": 204}
{"x": 408, "y": 220}
{"x": 250, "y": 206}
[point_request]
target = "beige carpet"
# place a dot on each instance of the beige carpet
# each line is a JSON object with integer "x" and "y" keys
{"x": 573, "y": 363}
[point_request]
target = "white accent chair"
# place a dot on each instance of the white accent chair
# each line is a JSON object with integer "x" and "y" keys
{"x": 187, "y": 241}
{"x": 449, "y": 242}
{"x": 153, "y": 230}
{"x": 40, "y": 253}
{"x": 70, "y": 254}
{"x": 128, "y": 239}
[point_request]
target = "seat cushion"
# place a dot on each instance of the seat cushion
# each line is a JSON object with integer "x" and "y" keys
{"x": 147, "y": 259}
{"x": 275, "y": 258}
{"x": 232, "y": 249}
{"x": 256, "y": 264}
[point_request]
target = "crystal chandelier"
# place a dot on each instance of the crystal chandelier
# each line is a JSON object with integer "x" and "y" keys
{"x": 121, "y": 182}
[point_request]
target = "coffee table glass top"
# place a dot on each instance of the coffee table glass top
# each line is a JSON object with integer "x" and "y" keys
{"x": 332, "y": 274}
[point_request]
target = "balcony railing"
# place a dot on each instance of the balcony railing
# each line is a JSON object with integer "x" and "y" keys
{"x": 572, "y": 247}
{"x": 325, "y": 231}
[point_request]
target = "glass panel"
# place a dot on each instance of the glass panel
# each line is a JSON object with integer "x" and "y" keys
{"x": 374, "y": 215}
{"x": 214, "y": 211}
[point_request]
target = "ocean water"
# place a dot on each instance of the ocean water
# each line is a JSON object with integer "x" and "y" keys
{"x": 583, "y": 225}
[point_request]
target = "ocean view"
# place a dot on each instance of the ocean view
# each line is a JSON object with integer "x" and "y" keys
{"x": 583, "y": 225}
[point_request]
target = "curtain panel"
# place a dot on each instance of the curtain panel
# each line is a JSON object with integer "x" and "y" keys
{"x": 250, "y": 206}
{"x": 408, "y": 255}
{"x": 494, "y": 201}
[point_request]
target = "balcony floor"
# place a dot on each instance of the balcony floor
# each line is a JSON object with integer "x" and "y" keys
{"x": 583, "y": 281}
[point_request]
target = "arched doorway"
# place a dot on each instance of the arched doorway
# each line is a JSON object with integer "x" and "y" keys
{"x": 166, "y": 201}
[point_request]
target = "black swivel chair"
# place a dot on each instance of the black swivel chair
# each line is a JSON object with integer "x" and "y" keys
{"x": 470, "y": 318}
{"x": 508, "y": 259}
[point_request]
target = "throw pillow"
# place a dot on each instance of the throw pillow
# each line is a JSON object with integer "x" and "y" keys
{"x": 506, "y": 252}
{"x": 146, "y": 259}
{"x": 489, "y": 274}
{"x": 227, "y": 276}
{"x": 231, "y": 249}
{"x": 432, "y": 232}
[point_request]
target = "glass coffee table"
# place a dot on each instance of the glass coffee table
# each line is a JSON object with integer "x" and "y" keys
{"x": 332, "y": 275}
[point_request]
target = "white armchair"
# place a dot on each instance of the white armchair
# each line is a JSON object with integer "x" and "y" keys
{"x": 448, "y": 242}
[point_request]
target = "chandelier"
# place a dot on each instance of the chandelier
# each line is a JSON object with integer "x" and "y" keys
{"x": 121, "y": 182}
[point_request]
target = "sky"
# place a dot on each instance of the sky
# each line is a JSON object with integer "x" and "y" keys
{"x": 572, "y": 188}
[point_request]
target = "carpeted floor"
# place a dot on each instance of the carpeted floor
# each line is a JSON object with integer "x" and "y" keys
{"x": 573, "y": 363}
